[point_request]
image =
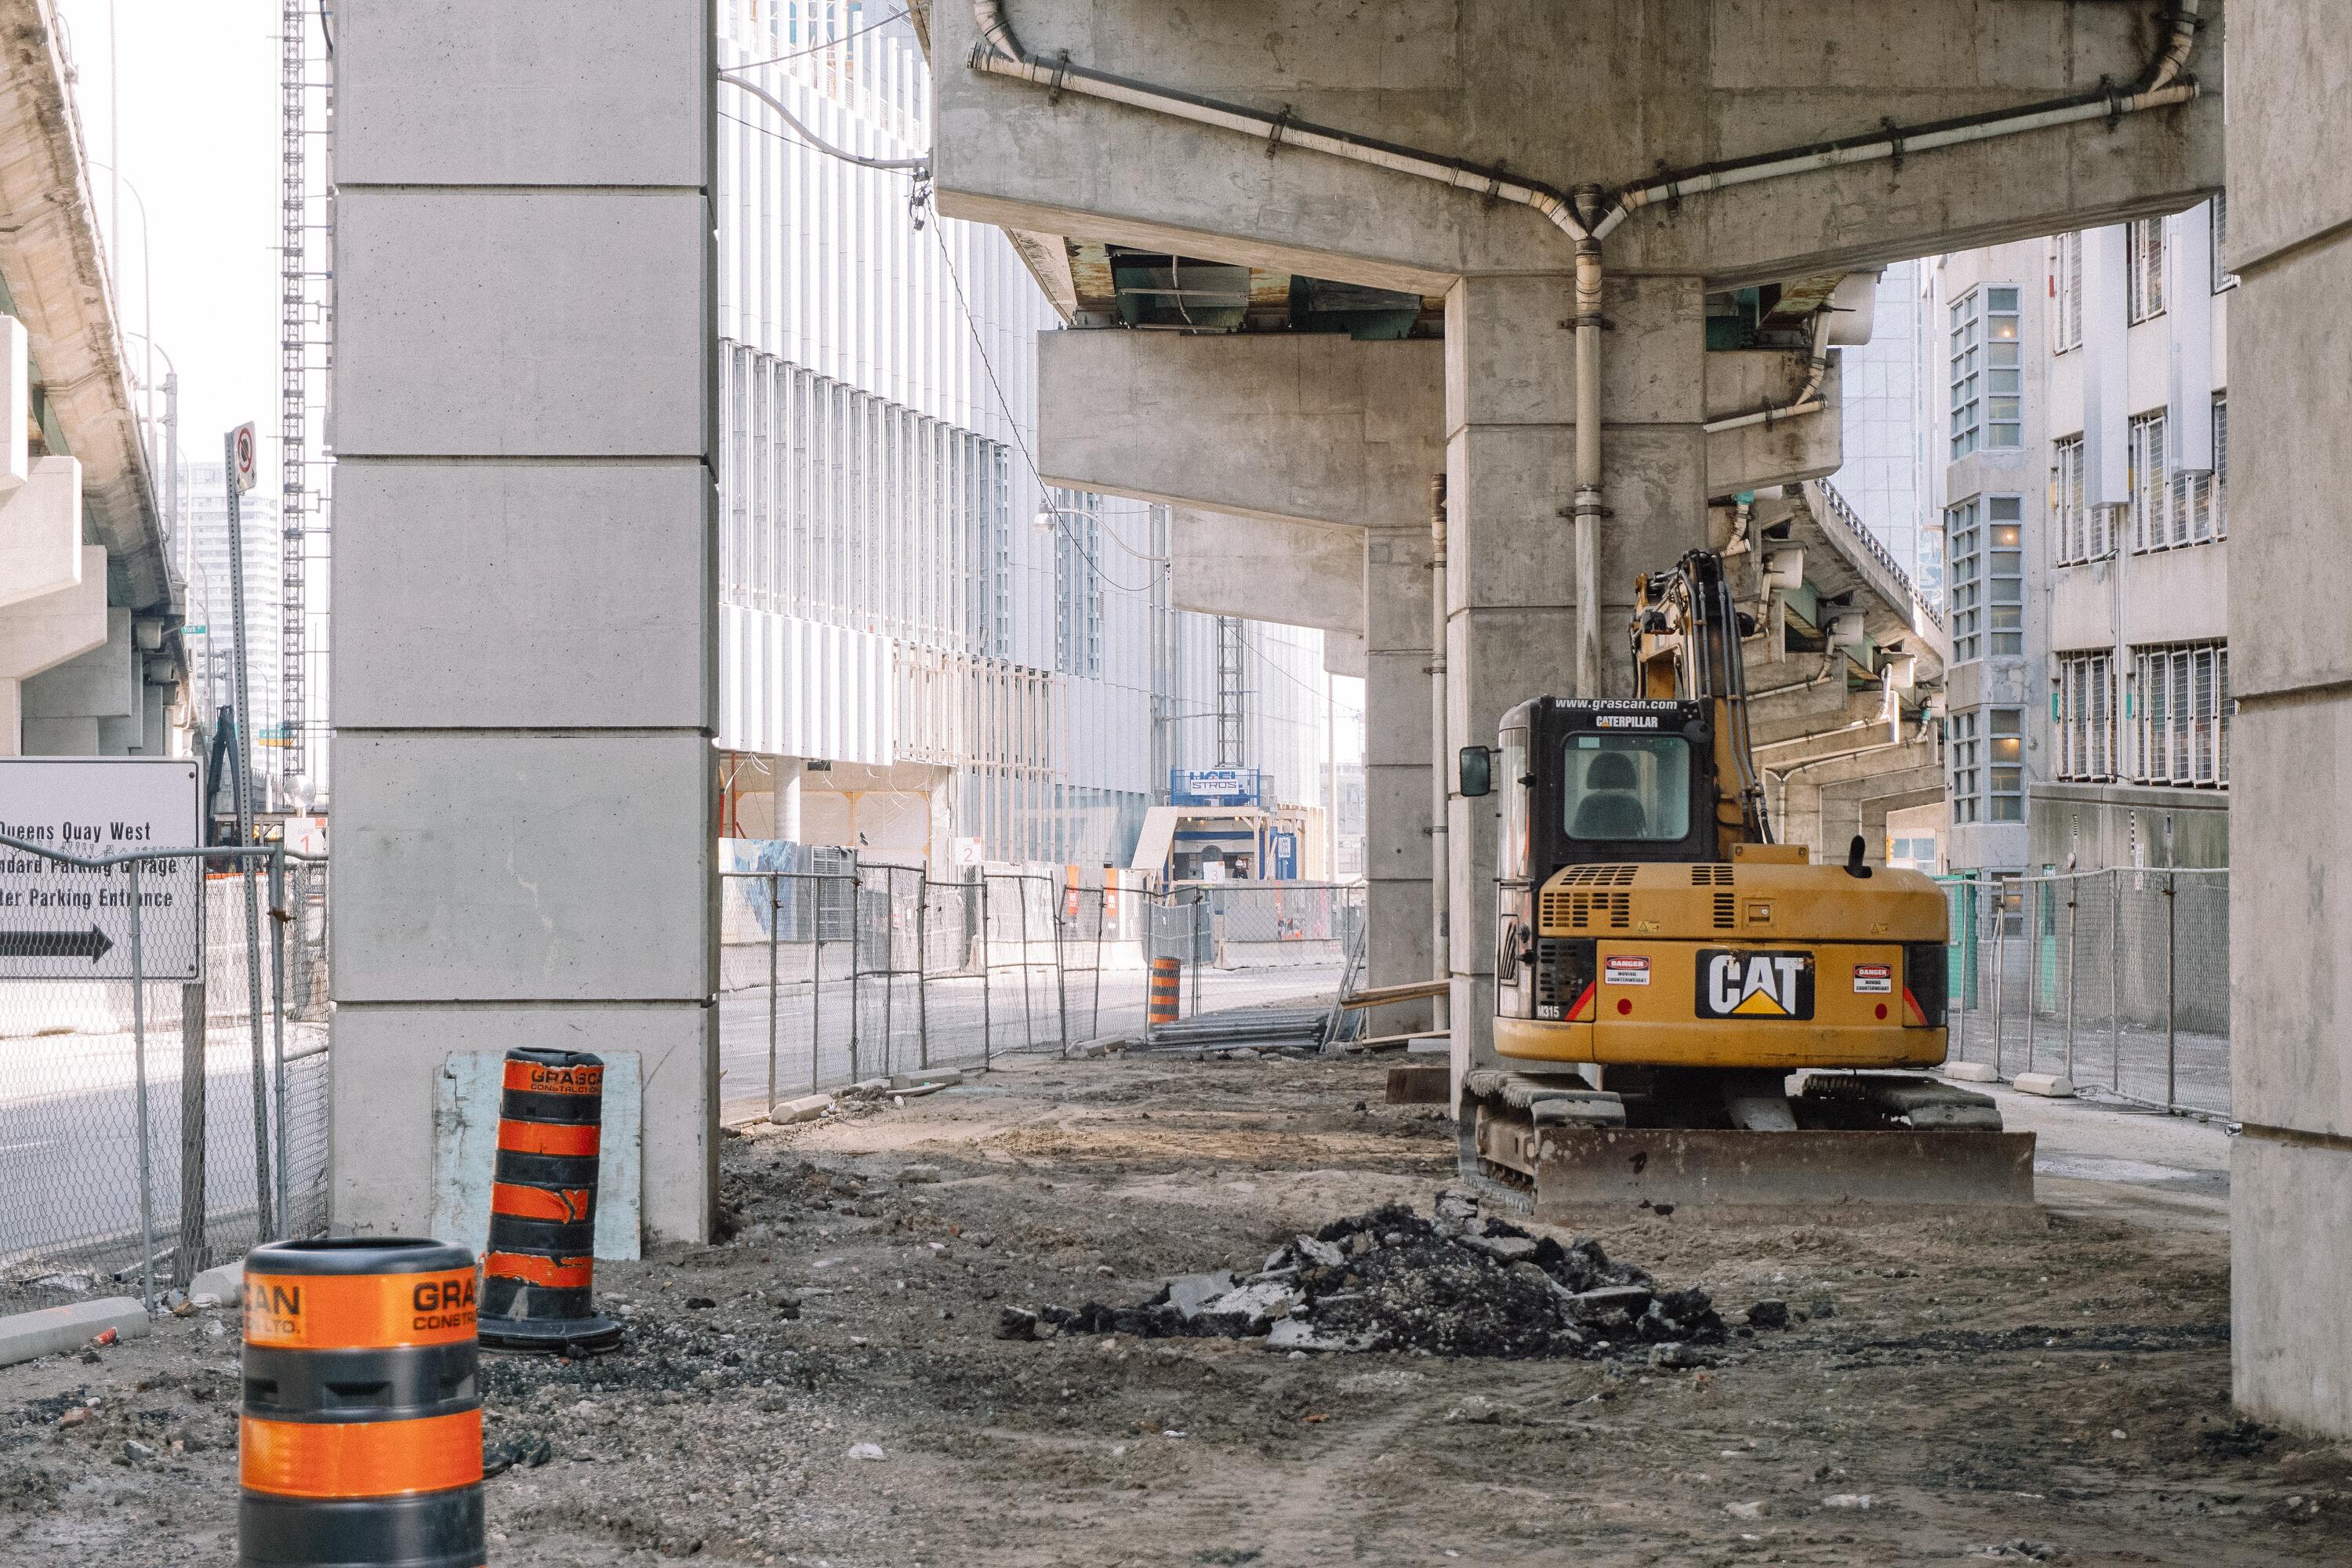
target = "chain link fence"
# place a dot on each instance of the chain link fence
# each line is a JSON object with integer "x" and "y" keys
{"x": 2117, "y": 980}
{"x": 163, "y": 1065}
{"x": 836, "y": 969}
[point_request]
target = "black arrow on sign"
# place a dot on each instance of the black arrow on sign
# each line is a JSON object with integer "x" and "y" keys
{"x": 92, "y": 944}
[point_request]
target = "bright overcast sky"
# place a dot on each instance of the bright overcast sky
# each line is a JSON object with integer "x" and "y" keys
{"x": 200, "y": 139}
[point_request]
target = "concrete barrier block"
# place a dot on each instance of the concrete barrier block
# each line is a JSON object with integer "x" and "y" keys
{"x": 1421, "y": 1083}
{"x": 223, "y": 1282}
{"x": 1969, "y": 1072}
{"x": 807, "y": 1108}
{"x": 2049, "y": 1085}
{"x": 943, "y": 1078}
{"x": 57, "y": 1329}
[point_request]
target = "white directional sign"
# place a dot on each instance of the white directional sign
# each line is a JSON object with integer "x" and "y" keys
{"x": 62, "y": 921}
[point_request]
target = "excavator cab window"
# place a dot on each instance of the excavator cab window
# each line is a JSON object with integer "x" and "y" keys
{"x": 1626, "y": 789}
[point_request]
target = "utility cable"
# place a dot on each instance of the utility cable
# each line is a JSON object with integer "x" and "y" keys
{"x": 819, "y": 47}
{"x": 1012, "y": 421}
{"x": 919, "y": 167}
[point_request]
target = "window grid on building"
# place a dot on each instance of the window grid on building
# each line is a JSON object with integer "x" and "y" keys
{"x": 1963, "y": 525}
{"x": 2005, "y": 769}
{"x": 2143, "y": 263}
{"x": 2202, "y": 501}
{"x": 1967, "y": 770}
{"x": 2079, "y": 531}
{"x": 2155, "y": 524}
{"x": 2217, "y": 220}
{"x": 2085, "y": 715}
{"x": 2005, "y": 572}
{"x": 2066, "y": 292}
{"x": 2181, "y": 694}
{"x": 1986, "y": 377}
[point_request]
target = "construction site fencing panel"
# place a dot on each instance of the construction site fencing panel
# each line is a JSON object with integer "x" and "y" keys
{"x": 153, "y": 1124}
{"x": 2117, "y": 980}
{"x": 833, "y": 970}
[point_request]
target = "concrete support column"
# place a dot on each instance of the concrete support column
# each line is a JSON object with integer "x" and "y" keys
{"x": 1511, "y": 610}
{"x": 1397, "y": 722}
{"x": 2290, "y": 181}
{"x": 525, "y": 786}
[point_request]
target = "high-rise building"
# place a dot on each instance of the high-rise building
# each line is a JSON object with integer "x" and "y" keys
{"x": 922, "y": 648}
{"x": 201, "y": 555}
{"x": 2082, "y": 484}
{"x": 1878, "y": 396}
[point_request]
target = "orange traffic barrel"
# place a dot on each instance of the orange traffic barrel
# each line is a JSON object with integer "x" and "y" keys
{"x": 1166, "y": 983}
{"x": 360, "y": 1437}
{"x": 539, "y": 1275}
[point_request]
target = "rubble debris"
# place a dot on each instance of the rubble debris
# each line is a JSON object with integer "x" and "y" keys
{"x": 866, "y": 1451}
{"x": 1456, "y": 1285}
{"x": 1769, "y": 1315}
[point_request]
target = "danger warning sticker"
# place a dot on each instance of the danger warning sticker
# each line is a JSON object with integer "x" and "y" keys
{"x": 1625, "y": 971}
{"x": 1873, "y": 979}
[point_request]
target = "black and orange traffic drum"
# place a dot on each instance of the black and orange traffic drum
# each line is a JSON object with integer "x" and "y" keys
{"x": 1167, "y": 985}
{"x": 539, "y": 1277}
{"x": 360, "y": 1437}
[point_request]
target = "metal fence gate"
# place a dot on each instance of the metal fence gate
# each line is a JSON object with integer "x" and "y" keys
{"x": 2118, "y": 979}
{"x": 152, "y": 1127}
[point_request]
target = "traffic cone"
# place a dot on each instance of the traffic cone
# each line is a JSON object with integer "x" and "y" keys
{"x": 539, "y": 1275}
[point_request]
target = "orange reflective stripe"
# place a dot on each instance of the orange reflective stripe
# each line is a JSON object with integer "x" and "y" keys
{"x": 359, "y": 1458}
{"x": 539, "y": 1079}
{"x": 566, "y": 1205}
{"x": 1914, "y": 1015}
{"x": 548, "y": 1137}
{"x": 556, "y": 1273}
{"x": 357, "y": 1311}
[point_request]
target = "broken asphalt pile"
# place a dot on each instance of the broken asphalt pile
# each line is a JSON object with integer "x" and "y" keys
{"x": 1455, "y": 1285}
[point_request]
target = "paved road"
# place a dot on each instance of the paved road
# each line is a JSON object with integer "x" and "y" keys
{"x": 70, "y": 1145}
{"x": 813, "y": 1033}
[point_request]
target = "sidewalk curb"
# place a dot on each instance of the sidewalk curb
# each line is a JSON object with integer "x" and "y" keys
{"x": 53, "y": 1329}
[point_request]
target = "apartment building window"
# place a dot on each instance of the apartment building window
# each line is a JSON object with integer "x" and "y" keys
{"x": 2005, "y": 775}
{"x": 2202, "y": 500}
{"x": 2086, "y": 709}
{"x": 2066, "y": 292}
{"x": 2004, "y": 560}
{"x": 2156, "y": 524}
{"x": 1968, "y": 769}
{"x": 1078, "y": 594}
{"x": 1985, "y": 382}
{"x": 2218, "y": 221}
{"x": 2078, "y": 531}
{"x": 1964, "y": 524}
{"x": 2143, "y": 263}
{"x": 2181, "y": 695}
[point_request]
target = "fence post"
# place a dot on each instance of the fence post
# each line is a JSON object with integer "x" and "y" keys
{"x": 192, "y": 1254}
{"x": 1968, "y": 945}
{"x": 816, "y": 984}
{"x": 857, "y": 944}
{"x": 1061, "y": 982}
{"x": 1102, "y": 915}
{"x": 775, "y": 935}
{"x": 2074, "y": 901}
{"x": 263, "y": 1230}
{"x": 1028, "y": 1009}
{"x": 923, "y": 969}
{"x": 2000, "y": 976}
{"x": 2171, "y": 992}
{"x": 278, "y": 1034}
{"x": 987, "y": 1013}
{"x": 2116, "y": 979}
{"x": 139, "y": 1072}
{"x": 1192, "y": 942}
{"x": 2028, "y": 897}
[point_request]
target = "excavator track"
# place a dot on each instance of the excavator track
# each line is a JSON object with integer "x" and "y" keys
{"x": 1549, "y": 1145}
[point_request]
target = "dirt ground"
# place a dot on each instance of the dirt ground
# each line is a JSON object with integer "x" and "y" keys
{"x": 2051, "y": 1387}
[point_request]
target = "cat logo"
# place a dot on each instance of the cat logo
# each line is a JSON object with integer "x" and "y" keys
{"x": 1755, "y": 985}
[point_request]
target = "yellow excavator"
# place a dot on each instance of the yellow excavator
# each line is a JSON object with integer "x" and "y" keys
{"x": 1686, "y": 1012}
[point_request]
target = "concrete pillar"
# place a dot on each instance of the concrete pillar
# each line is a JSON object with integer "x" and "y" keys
{"x": 2290, "y": 182}
{"x": 525, "y": 787}
{"x": 1398, "y": 615}
{"x": 1511, "y": 610}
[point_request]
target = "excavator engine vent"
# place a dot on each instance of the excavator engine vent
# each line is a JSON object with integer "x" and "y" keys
{"x": 1726, "y": 914}
{"x": 1711, "y": 875}
{"x": 1587, "y": 912}
{"x": 1600, "y": 876}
